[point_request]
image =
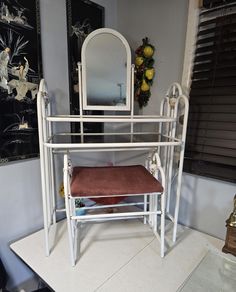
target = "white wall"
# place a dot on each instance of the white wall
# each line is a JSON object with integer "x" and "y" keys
{"x": 20, "y": 212}
{"x": 110, "y": 12}
{"x": 164, "y": 23}
{"x": 54, "y": 52}
{"x": 20, "y": 197}
{"x": 205, "y": 203}
{"x": 166, "y": 30}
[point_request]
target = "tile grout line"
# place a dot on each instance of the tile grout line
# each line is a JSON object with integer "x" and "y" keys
{"x": 125, "y": 264}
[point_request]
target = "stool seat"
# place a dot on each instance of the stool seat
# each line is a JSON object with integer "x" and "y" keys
{"x": 112, "y": 182}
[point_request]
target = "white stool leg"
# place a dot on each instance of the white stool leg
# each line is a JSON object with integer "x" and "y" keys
{"x": 155, "y": 206}
{"x": 70, "y": 229}
{"x": 145, "y": 209}
{"x": 151, "y": 210}
{"x": 163, "y": 200}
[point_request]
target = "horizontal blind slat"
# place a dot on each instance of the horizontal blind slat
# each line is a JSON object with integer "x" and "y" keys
{"x": 217, "y": 29}
{"x": 213, "y": 99}
{"x": 216, "y": 74}
{"x": 229, "y": 144}
{"x": 215, "y": 5}
{"x": 216, "y": 56}
{"x": 210, "y": 65}
{"x": 213, "y": 108}
{"x": 214, "y": 158}
{"x": 227, "y": 136}
{"x": 215, "y": 38}
{"x": 210, "y": 150}
{"x": 231, "y": 90}
{"x": 211, "y": 125}
{"x": 218, "y": 117}
{"x": 216, "y": 82}
{"x": 220, "y": 47}
{"x": 213, "y": 170}
{"x": 218, "y": 20}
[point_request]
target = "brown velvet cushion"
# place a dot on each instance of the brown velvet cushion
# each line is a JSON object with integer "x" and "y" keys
{"x": 112, "y": 181}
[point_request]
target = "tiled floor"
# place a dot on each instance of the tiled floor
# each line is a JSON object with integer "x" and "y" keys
{"x": 116, "y": 256}
{"x": 216, "y": 272}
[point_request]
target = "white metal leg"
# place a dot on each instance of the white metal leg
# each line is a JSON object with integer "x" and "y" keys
{"x": 150, "y": 219}
{"x": 47, "y": 180}
{"x": 74, "y": 229}
{"x": 68, "y": 210}
{"x": 52, "y": 187}
{"x": 70, "y": 234}
{"x": 46, "y": 211}
{"x": 155, "y": 199}
{"x": 184, "y": 99}
{"x": 51, "y": 174}
{"x": 145, "y": 208}
{"x": 163, "y": 199}
{"x": 46, "y": 214}
{"x": 170, "y": 165}
{"x": 45, "y": 207}
{"x": 179, "y": 180}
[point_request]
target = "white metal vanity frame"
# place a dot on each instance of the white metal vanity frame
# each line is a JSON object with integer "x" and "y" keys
{"x": 163, "y": 148}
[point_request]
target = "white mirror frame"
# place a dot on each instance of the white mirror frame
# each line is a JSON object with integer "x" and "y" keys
{"x": 127, "y": 106}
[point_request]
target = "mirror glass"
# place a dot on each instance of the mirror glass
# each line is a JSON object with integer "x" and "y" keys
{"x": 106, "y": 74}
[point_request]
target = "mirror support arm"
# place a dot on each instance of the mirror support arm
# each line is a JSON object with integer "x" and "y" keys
{"x": 80, "y": 99}
{"x": 132, "y": 90}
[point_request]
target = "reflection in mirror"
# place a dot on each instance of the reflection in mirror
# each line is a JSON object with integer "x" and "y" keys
{"x": 106, "y": 76}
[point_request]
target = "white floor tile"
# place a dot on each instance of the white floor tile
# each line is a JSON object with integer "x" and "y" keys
{"x": 115, "y": 256}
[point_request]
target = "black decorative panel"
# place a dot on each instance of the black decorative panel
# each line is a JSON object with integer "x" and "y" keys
{"x": 20, "y": 72}
{"x": 83, "y": 17}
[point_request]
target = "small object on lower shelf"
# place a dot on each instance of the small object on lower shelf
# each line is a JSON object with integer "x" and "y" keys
{"x": 80, "y": 212}
{"x": 230, "y": 241}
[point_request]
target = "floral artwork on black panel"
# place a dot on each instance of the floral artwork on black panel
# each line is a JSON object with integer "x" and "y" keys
{"x": 83, "y": 17}
{"x": 20, "y": 72}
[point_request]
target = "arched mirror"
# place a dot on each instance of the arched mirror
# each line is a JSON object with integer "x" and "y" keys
{"x": 106, "y": 71}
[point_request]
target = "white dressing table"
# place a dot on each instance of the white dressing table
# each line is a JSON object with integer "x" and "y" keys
{"x": 163, "y": 143}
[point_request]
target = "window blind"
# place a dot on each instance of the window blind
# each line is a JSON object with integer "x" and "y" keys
{"x": 211, "y": 135}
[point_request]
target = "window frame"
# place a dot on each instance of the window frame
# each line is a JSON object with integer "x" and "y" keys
{"x": 192, "y": 30}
